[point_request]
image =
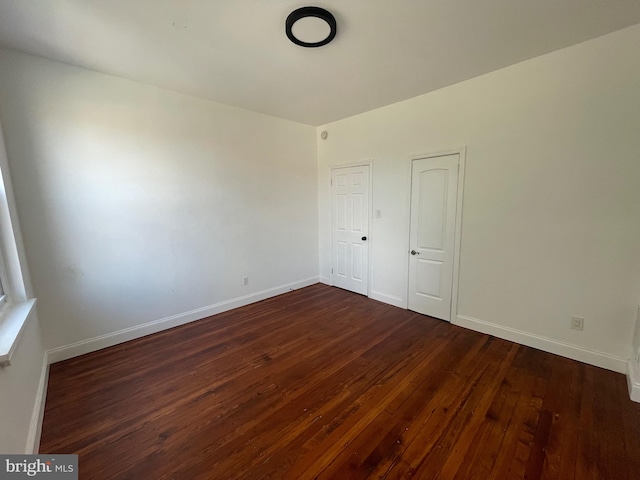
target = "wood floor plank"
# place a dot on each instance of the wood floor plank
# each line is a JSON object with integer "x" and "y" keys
{"x": 630, "y": 429}
{"x": 250, "y": 406}
{"x": 589, "y": 451}
{"x": 357, "y": 375}
{"x": 523, "y": 384}
{"x": 457, "y": 399}
{"x": 471, "y": 446}
{"x": 421, "y": 403}
{"x": 609, "y": 423}
{"x": 381, "y": 395}
{"x": 322, "y": 383}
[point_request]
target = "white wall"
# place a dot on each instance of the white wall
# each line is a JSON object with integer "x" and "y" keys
{"x": 20, "y": 392}
{"x": 551, "y": 217}
{"x": 138, "y": 203}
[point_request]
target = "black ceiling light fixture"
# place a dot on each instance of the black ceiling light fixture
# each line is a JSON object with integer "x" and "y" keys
{"x": 310, "y": 27}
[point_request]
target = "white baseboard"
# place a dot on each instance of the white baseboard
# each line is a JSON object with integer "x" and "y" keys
{"x": 110, "y": 339}
{"x": 35, "y": 427}
{"x": 390, "y": 299}
{"x": 326, "y": 281}
{"x": 633, "y": 380}
{"x": 592, "y": 357}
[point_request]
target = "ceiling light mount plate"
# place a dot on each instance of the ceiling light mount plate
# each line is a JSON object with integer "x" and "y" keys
{"x": 310, "y": 13}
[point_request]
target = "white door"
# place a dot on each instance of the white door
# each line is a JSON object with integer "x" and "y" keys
{"x": 350, "y": 228}
{"x": 434, "y": 183}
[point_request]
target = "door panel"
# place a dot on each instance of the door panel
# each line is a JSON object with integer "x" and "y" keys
{"x": 358, "y": 260}
{"x": 428, "y": 275}
{"x": 350, "y": 223}
{"x": 357, "y": 213}
{"x": 433, "y": 210}
{"x": 341, "y": 259}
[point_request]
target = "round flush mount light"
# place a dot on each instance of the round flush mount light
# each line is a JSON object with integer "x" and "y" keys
{"x": 310, "y": 27}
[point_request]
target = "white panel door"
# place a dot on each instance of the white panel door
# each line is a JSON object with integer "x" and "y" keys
{"x": 350, "y": 228}
{"x": 434, "y": 183}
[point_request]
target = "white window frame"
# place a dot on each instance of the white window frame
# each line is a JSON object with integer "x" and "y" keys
{"x": 3, "y": 296}
{"x": 16, "y": 302}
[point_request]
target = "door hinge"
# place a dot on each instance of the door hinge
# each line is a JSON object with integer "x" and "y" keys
{"x": 332, "y": 271}
{"x": 331, "y": 182}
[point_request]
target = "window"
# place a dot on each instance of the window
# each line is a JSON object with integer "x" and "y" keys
{"x": 16, "y": 303}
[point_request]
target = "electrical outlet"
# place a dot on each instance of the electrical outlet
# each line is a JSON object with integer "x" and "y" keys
{"x": 378, "y": 213}
{"x": 245, "y": 280}
{"x": 577, "y": 323}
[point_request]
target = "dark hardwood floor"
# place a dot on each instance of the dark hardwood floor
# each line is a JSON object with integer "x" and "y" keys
{"x": 322, "y": 383}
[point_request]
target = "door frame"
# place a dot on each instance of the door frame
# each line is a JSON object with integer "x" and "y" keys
{"x": 462, "y": 153}
{"x": 364, "y": 163}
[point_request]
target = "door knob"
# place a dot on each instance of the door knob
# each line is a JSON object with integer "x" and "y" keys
{"x": 413, "y": 252}
{"x": 364, "y": 238}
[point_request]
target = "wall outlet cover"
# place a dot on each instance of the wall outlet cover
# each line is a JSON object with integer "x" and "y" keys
{"x": 577, "y": 323}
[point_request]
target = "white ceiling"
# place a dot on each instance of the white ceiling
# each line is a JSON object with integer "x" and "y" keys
{"x": 236, "y": 51}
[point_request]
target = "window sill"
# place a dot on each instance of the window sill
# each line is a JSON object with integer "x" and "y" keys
{"x": 11, "y": 327}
